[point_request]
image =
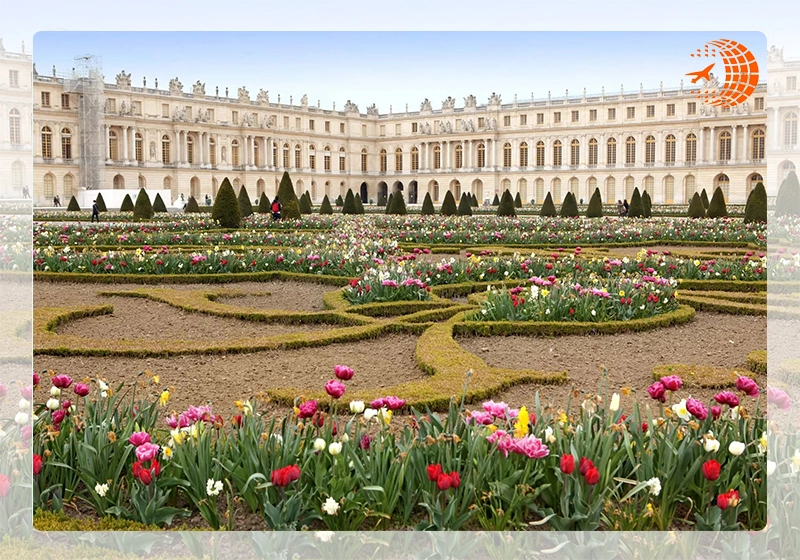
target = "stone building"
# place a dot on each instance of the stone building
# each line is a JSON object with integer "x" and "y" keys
{"x": 16, "y": 169}
{"x": 783, "y": 108}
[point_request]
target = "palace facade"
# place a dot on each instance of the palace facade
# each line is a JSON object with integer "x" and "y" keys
{"x": 16, "y": 108}
{"x": 664, "y": 141}
{"x": 783, "y": 108}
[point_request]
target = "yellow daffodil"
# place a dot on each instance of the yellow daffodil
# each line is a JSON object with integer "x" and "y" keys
{"x": 385, "y": 415}
{"x": 544, "y": 292}
{"x": 762, "y": 443}
{"x": 162, "y": 400}
{"x": 492, "y": 428}
{"x": 521, "y": 425}
{"x": 622, "y": 293}
{"x": 167, "y": 452}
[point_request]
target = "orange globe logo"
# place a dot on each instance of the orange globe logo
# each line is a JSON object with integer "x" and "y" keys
{"x": 741, "y": 74}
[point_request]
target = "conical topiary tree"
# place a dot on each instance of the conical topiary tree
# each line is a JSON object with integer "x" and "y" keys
{"x": 389, "y": 202}
{"x": 427, "y": 206}
{"x": 349, "y": 206}
{"x": 263, "y": 204}
{"x": 382, "y": 200}
{"x": 465, "y": 205}
{"x": 569, "y": 208}
{"x": 595, "y": 209}
{"x": 73, "y": 205}
{"x": 158, "y": 204}
{"x": 788, "y": 201}
{"x": 325, "y": 207}
{"x": 636, "y": 208}
{"x": 143, "y": 209}
{"x": 449, "y": 207}
{"x": 756, "y": 209}
{"x": 191, "y": 206}
{"x": 506, "y": 206}
{"x": 359, "y": 204}
{"x": 226, "y": 208}
{"x": 647, "y": 204}
{"x": 548, "y": 209}
{"x": 696, "y": 209}
{"x": 245, "y": 204}
{"x": 290, "y": 207}
{"x": 398, "y": 205}
{"x": 518, "y": 201}
{"x": 704, "y": 199}
{"x": 127, "y": 204}
{"x": 717, "y": 207}
{"x": 305, "y": 204}
{"x": 339, "y": 201}
{"x": 496, "y": 201}
{"x": 475, "y": 201}
{"x": 101, "y": 204}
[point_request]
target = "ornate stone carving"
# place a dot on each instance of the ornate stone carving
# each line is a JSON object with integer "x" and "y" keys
{"x": 268, "y": 122}
{"x": 441, "y": 127}
{"x": 775, "y": 54}
{"x": 249, "y": 120}
{"x": 490, "y": 124}
{"x": 202, "y": 116}
{"x": 372, "y": 110}
{"x": 468, "y": 126}
{"x": 263, "y": 97}
{"x": 304, "y": 101}
{"x": 350, "y": 107}
{"x": 448, "y": 127}
{"x": 179, "y": 115}
{"x": 198, "y": 89}
{"x": 123, "y": 80}
{"x": 123, "y": 109}
{"x": 448, "y": 104}
{"x": 425, "y": 106}
{"x": 152, "y": 151}
{"x": 494, "y": 99}
{"x": 470, "y": 102}
{"x": 175, "y": 87}
{"x": 244, "y": 95}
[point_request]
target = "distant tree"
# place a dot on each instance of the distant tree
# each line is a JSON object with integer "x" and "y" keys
{"x": 226, "y": 208}
{"x": 305, "y": 204}
{"x": 389, "y": 202}
{"x": 349, "y": 206}
{"x": 398, "y": 205}
{"x": 496, "y": 201}
{"x": 245, "y": 204}
{"x": 143, "y": 209}
{"x": 359, "y": 204}
{"x": 449, "y": 207}
{"x": 518, "y": 201}
{"x": 756, "y": 209}
{"x": 704, "y": 198}
{"x": 465, "y": 205}
{"x": 548, "y": 209}
{"x": 339, "y": 201}
{"x": 427, "y": 206}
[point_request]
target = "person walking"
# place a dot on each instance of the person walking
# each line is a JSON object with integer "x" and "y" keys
{"x": 276, "y": 209}
{"x": 620, "y": 208}
{"x": 626, "y": 205}
{"x": 95, "y": 211}
{"x": 55, "y": 201}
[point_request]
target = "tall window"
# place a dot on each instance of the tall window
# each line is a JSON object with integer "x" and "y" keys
{"x": 414, "y": 159}
{"x": 669, "y": 189}
{"x": 341, "y": 159}
{"x": 481, "y": 155}
{"x": 65, "y": 101}
{"x": 165, "y": 151}
{"x": 275, "y": 154}
{"x": 612, "y": 114}
{"x": 611, "y": 189}
{"x": 256, "y": 159}
{"x": 575, "y": 153}
{"x": 398, "y": 160}
{"x": 758, "y": 145}
{"x": 212, "y": 151}
{"x": 790, "y": 129}
{"x": 46, "y": 99}
{"x": 312, "y": 157}
{"x": 165, "y": 110}
{"x": 557, "y": 154}
{"x": 437, "y": 157}
{"x": 17, "y": 171}
{"x": 327, "y": 160}
{"x": 670, "y": 109}
{"x": 689, "y": 187}
{"x": 66, "y": 143}
{"x": 364, "y": 160}
{"x": 67, "y": 188}
{"x": 725, "y": 146}
{"x": 573, "y": 186}
{"x": 506, "y": 155}
{"x": 47, "y": 143}
{"x": 138, "y": 148}
{"x": 630, "y": 151}
{"x": 235, "y": 152}
{"x": 286, "y": 156}
{"x": 651, "y": 111}
{"x": 650, "y": 150}
{"x": 691, "y": 148}
{"x": 523, "y": 154}
{"x": 113, "y": 145}
{"x": 13, "y": 127}
{"x": 556, "y": 189}
{"x": 629, "y": 186}
{"x": 593, "y": 151}
{"x": 49, "y": 185}
{"x": 648, "y": 183}
{"x": 298, "y": 157}
{"x": 190, "y": 150}
{"x": 611, "y": 151}
{"x": 591, "y": 185}
{"x": 539, "y": 154}
{"x": 575, "y": 116}
{"x": 724, "y": 183}
{"x": 459, "y": 156}
{"x": 691, "y": 108}
{"x": 631, "y": 112}
{"x": 557, "y": 117}
{"x": 669, "y": 149}
{"x": 384, "y": 164}
{"x": 539, "y": 185}
{"x": 13, "y": 78}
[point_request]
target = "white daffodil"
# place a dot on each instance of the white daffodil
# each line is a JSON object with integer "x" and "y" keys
{"x": 680, "y": 411}
{"x": 324, "y": 536}
{"x": 548, "y": 434}
{"x": 654, "y": 485}
{"x": 330, "y": 506}
{"x": 101, "y": 489}
{"x": 213, "y": 487}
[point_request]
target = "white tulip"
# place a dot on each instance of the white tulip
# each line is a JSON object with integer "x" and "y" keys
{"x": 53, "y": 404}
{"x": 330, "y": 506}
{"x": 356, "y": 407}
{"x": 614, "y": 406}
{"x": 736, "y": 448}
{"x": 335, "y": 448}
{"x": 369, "y": 414}
{"x": 55, "y": 392}
{"x": 21, "y": 418}
{"x": 24, "y": 404}
{"x": 711, "y": 445}
{"x": 320, "y": 444}
{"x": 771, "y": 465}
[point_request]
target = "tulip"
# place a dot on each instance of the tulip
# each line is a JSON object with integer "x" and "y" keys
{"x": 434, "y": 471}
{"x": 357, "y": 407}
{"x": 307, "y": 409}
{"x": 139, "y": 438}
{"x": 710, "y": 444}
{"x": 393, "y": 403}
{"x": 5, "y": 485}
{"x": 530, "y": 446}
{"x": 58, "y": 417}
{"x": 728, "y": 499}
{"x": 584, "y": 465}
{"x": 285, "y": 476}
{"x": 365, "y": 442}
{"x": 657, "y": 391}
{"x": 62, "y": 381}
{"x": 727, "y": 397}
{"x": 343, "y": 372}
{"x": 771, "y": 466}
{"x": 369, "y": 414}
{"x": 21, "y": 418}
{"x": 614, "y": 406}
{"x": 747, "y": 386}
{"x": 36, "y": 378}
{"x": 711, "y": 469}
{"x": 716, "y": 412}
{"x": 697, "y": 409}
{"x": 53, "y": 404}
{"x": 55, "y": 391}
{"x": 443, "y": 481}
{"x": 592, "y": 476}
{"x": 335, "y": 448}
{"x": 171, "y": 421}
{"x": 779, "y": 398}
{"x": 66, "y": 404}
{"x": 320, "y": 444}
{"x": 27, "y": 392}
{"x": 672, "y": 382}
{"x": 237, "y": 421}
{"x": 81, "y": 389}
{"x": 146, "y": 452}
{"x": 38, "y": 463}
{"x": 567, "y": 464}
{"x": 736, "y": 448}
{"x": 335, "y": 388}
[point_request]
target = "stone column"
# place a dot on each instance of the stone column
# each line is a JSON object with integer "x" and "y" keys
{"x": 712, "y": 143}
{"x": 746, "y": 148}
{"x": 776, "y": 126}
{"x": 108, "y": 143}
{"x": 467, "y": 154}
{"x": 252, "y": 156}
{"x": 201, "y": 145}
{"x": 734, "y": 131}
{"x": 701, "y": 145}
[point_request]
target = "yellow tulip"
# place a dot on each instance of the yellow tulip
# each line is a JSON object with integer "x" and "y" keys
{"x": 521, "y": 425}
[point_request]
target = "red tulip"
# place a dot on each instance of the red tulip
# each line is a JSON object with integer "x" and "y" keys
{"x": 584, "y": 465}
{"x": 237, "y": 421}
{"x": 455, "y": 479}
{"x": 567, "y": 464}
{"x": 38, "y": 463}
{"x": 711, "y": 469}
{"x": 285, "y": 476}
{"x": 36, "y": 378}
{"x": 5, "y": 485}
{"x": 145, "y": 477}
{"x": 592, "y": 476}
{"x": 434, "y": 471}
{"x": 728, "y": 499}
{"x": 62, "y": 381}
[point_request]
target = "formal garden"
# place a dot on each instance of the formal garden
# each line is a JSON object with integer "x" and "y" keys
{"x": 441, "y": 369}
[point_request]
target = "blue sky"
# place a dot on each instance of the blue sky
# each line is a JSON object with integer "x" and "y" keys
{"x": 391, "y": 68}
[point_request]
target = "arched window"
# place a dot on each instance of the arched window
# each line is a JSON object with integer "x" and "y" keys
{"x": 539, "y": 154}
{"x": 235, "y": 152}
{"x": 67, "y": 188}
{"x": 593, "y": 152}
{"x": 398, "y": 160}
{"x": 168, "y": 183}
{"x": 611, "y": 151}
{"x": 47, "y": 143}
{"x": 611, "y": 189}
{"x": 459, "y": 156}
{"x": 437, "y": 157}
{"x": 113, "y": 146}
{"x": 539, "y": 190}
{"x": 312, "y": 157}
{"x": 326, "y": 161}
{"x": 138, "y": 147}
{"x": 14, "y": 134}
{"x": 506, "y": 155}
{"x": 629, "y": 186}
{"x": 522, "y": 189}
{"x": 573, "y": 186}
{"x": 555, "y": 189}
{"x": 648, "y": 183}
{"x": 414, "y": 159}
{"x": 755, "y": 178}
{"x": 256, "y": 159}
{"x": 669, "y": 189}
{"x": 691, "y": 148}
{"x": 212, "y": 151}
{"x": 689, "y": 187}
{"x": 481, "y": 155}
{"x": 298, "y": 156}
{"x": 650, "y": 150}
{"x": 669, "y": 149}
{"x": 364, "y": 160}
{"x": 574, "y": 153}
{"x": 341, "y": 160}
{"x": 165, "y": 149}
{"x": 66, "y": 143}
{"x": 557, "y": 158}
{"x": 384, "y": 163}
{"x": 286, "y": 156}
{"x": 790, "y": 129}
{"x": 724, "y": 183}
{"x": 757, "y": 152}
{"x": 630, "y": 150}
{"x": 190, "y": 150}
{"x": 17, "y": 173}
{"x": 523, "y": 154}
{"x": 725, "y": 146}
{"x": 591, "y": 185}
{"x": 49, "y": 186}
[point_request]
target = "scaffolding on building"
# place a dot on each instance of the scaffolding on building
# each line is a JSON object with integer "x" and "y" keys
{"x": 87, "y": 82}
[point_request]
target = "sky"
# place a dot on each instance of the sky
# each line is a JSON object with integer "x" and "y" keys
{"x": 391, "y": 68}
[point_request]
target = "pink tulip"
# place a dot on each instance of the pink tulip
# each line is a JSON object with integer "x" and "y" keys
{"x": 36, "y": 378}
{"x": 172, "y": 421}
{"x": 81, "y": 389}
{"x": 58, "y": 416}
{"x": 672, "y": 382}
{"x": 478, "y": 417}
{"x": 727, "y": 397}
{"x": 3, "y": 390}
{"x": 343, "y": 372}
{"x": 500, "y": 410}
{"x": 146, "y": 452}
{"x": 530, "y": 446}
{"x": 503, "y": 441}
{"x": 26, "y": 392}
{"x": 747, "y": 386}
{"x": 657, "y": 391}
{"x": 393, "y": 403}
{"x": 139, "y": 438}
{"x": 716, "y": 411}
{"x": 696, "y": 409}
{"x": 307, "y": 409}
{"x": 335, "y": 388}
{"x": 779, "y": 398}
{"x": 62, "y": 381}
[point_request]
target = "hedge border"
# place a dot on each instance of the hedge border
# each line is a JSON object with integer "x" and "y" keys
{"x": 619, "y": 244}
{"x": 721, "y": 306}
{"x": 757, "y": 362}
{"x": 722, "y": 285}
{"x": 713, "y": 377}
{"x": 215, "y": 278}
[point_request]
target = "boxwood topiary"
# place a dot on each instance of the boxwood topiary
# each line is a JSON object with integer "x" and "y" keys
{"x": 595, "y": 209}
{"x": 245, "y": 205}
{"x": 704, "y": 199}
{"x": 449, "y": 207}
{"x": 382, "y": 200}
{"x": 339, "y": 201}
{"x": 548, "y": 209}
{"x": 226, "y": 207}
{"x": 475, "y": 200}
{"x": 636, "y": 208}
{"x": 496, "y": 201}
{"x": 465, "y": 205}
{"x": 506, "y": 206}
{"x": 756, "y": 208}
{"x": 389, "y": 202}
{"x": 717, "y": 208}
{"x": 569, "y": 208}
{"x": 73, "y": 205}
{"x": 647, "y": 203}
{"x": 349, "y": 206}
{"x": 398, "y": 205}
{"x": 788, "y": 201}
{"x": 192, "y": 206}
{"x": 263, "y": 204}
{"x": 158, "y": 204}
{"x": 290, "y": 207}
{"x": 325, "y": 207}
{"x": 518, "y": 201}
{"x": 101, "y": 204}
{"x": 359, "y": 204}
{"x": 143, "y": 209}
{"x": 696, "y": 209}
{"x": 127, "y": 204}
{"x": 305, "y": 204}
{"x": 427, "y": 206}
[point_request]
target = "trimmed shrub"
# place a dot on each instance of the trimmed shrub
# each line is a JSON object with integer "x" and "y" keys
{"x": 389, "y": 202}
{"x": 325, "y": 207}
{"x": 359, "y": 204}
{"x": 290, "y": 207}
{"x": 475, "y": 200}
{"x": 465, "y": 205}
{"x": 73, "y": 205}
{"x": 191, "y": 206}
{"x": 127, "y": 204}
{"x": 349, "y": 206}
{"x": 704, "y": 199}
{"x": 226, "y": 207}
{"x": 696, "y": 208}
{"x": 648, "y": 204}
{"x": 245, "y": 205}
{"x": 506, "y": 206}
{"x": 569, "y": 208}
{"x": 548, "y": 208}
{"x": 717, "y": 208}
{"x": 398, "y": 205}
{"x": 449, "y": 207}
{"x": 496, "y": 201}
{"x": 158, "y": 204}
{"x": 788, "y": 201}
{"x": 382, "y": 200}
{"x": 339, "y": 201}
{"x": 143, "y": 209}
{"x": 101, "y": 204}
{"x": 305, "y": 204}
{"x": 595, "y": 209}
{"x": 518, "y": 201}
{"x": 636, "y": 207}
{"x": 427, "y": 206}
{"x": 263, "y": 204}
{"x": 756, "y": 209}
